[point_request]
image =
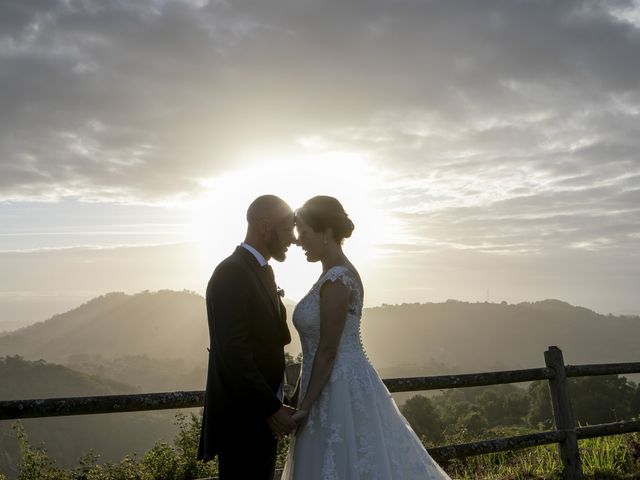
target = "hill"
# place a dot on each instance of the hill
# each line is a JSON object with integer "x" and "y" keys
{"x": 66, "y": 438}
{"x": 158, "y": 340}
{"x": 10, "y": 325}
{"x": 164, "y": 324}
{"x": 22, "y": 379}
{"x": 458, "y": 336}
{"x": 153, "y": 341}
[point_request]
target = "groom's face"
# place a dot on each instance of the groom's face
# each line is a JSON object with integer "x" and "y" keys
{"x": 281, "y": 237}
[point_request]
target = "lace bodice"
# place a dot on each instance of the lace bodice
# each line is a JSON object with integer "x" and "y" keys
{"x": 306, "y": 319}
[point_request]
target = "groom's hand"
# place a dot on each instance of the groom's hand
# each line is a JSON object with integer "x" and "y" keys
{"x": 281, "y": 423}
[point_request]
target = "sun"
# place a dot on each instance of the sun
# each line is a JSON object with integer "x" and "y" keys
{"x": 219, "y": 223}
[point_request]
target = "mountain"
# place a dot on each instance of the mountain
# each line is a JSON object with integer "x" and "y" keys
{"x": 66, "y": 438}
{"x": 23, "y": 379}
{"x": 11, "y": 325}
{"x": 158, "y": 340}
{"x": 153, "y": 341}
{"x": 459, "y": 336}
{"x": 164, "y": 324}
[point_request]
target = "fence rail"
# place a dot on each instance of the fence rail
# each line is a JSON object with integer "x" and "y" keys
{"x": 414, "y": 384}
{"x": 566, "y": 434}
{"x": 59, "y": 407}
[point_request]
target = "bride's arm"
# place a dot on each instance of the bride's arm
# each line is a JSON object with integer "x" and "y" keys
{"x": 334, "y": 304}
{"x": 295, "y": 398}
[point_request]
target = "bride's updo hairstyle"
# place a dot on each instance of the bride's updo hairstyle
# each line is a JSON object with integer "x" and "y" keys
{"x": 323, "y": 212}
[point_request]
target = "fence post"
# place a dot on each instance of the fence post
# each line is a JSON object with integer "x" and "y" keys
{"x": 563, "y": 415}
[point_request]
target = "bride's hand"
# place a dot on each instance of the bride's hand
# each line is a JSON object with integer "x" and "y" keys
{"x": 299, "y": 416}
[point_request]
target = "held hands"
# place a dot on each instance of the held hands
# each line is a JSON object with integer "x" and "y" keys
{"x": 281, "y": 423}
{"x": 286, "y": 420}
{"x": 301, "y": 413}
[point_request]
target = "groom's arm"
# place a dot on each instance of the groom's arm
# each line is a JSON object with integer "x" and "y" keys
{"x": 229, "y": 297}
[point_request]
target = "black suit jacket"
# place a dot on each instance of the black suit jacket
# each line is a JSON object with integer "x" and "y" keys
{"x": 247, "y": 330}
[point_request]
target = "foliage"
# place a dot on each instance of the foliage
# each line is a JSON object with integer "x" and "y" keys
{"x": 594, "y": 400}
{"x": 425, "y": 419}
{"x": 162, "y": 462}
{"x": 616, "y": 457}
{"x": 467, "y": 413}
{"x": 34, "y": 463}
{"x": 66, "y": 438}
{"x": 471, "y": 414}
{"x": 602, "y": 399}
{"x": 454, "y": 416}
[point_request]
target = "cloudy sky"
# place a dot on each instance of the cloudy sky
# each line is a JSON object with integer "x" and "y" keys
{"x": 485, "y": 150}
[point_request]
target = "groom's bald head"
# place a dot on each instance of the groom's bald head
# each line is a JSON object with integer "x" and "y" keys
{"x": 267, "y": 207}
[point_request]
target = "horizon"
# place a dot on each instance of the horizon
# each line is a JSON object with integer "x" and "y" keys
{"x": 485, "y": 152}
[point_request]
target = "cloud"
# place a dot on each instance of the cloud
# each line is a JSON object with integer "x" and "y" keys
{"x": 120, "y": 99}
{"x": 500, "y": 127}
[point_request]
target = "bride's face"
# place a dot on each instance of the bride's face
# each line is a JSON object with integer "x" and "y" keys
{"x": 311, "y": 242}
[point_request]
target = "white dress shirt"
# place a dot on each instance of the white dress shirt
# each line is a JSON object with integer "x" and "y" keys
{"x": 255, "y": 253}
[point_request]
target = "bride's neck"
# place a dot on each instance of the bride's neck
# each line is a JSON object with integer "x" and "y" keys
{"x": 332, "y": 257}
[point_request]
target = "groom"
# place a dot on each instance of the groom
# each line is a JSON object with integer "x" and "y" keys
{"x": 243, "y": 413}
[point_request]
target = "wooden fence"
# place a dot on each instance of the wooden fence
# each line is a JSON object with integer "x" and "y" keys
{"x": 565, "y": 434}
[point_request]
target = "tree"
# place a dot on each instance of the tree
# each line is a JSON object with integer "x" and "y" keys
{"x": 423, "y": 417}
{"x": 473, "y": 423}
{"x": 602, "y": 399}
{"x": 516, "y": 406}
{"x": 594, "y": 400}
{"x": 492, "y": 406}
{"x": 540, "y": 414}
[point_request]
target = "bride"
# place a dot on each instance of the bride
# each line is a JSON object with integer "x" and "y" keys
{"x": 349, "y": 426}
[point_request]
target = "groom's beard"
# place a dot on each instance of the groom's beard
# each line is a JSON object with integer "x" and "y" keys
{"x": 275, "y": 247}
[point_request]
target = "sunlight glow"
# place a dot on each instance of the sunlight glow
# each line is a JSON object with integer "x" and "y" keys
{"x": 219, "y": 216}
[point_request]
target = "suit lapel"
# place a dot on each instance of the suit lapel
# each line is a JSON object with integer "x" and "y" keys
{"x": 270, "y": 287}
{"x": 286, "y": 334}
{"x": 251, "y": 261}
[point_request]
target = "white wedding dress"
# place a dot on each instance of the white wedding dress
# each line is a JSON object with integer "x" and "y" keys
{"x": 354, "y": 430}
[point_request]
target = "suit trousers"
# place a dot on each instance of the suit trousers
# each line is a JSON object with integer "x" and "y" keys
{"x": 247, "y": 454}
